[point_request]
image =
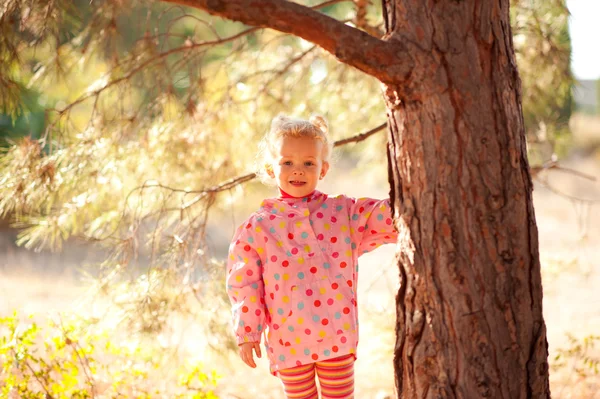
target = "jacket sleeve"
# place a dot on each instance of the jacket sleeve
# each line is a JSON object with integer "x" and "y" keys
{"x": 245, "y": 286}
{"x": 371, "y": 223}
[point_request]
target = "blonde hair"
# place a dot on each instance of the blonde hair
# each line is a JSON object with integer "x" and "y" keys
{"x": 286, "y": 126}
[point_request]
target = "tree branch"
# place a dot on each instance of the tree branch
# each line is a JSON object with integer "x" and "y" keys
{"x": 361, "y": 136}
{"x": 160, "y": 56}
{"x": 535, "y": 170}
{"x": 206, "y": 192}
{"x": 349, "y": 45}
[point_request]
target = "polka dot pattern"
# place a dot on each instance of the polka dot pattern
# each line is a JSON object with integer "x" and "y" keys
{"x": 292, "y": 268}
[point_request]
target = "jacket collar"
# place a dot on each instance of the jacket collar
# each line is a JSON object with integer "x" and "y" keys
{"x": 278, "y": 203}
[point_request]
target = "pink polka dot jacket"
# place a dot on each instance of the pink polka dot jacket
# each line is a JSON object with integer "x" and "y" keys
{"x": 292, "y": 274}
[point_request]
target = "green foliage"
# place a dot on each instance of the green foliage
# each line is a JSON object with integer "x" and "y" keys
{"x": 575, "y": 368}
{"x": 543, "y": 50}
{"x": 68, "y": 360}
{"x": 580, "y": 356}
{"x": 23, "y": 24}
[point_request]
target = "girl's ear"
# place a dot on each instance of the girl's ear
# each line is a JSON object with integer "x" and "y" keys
{"x": 324, "y": 169}
{"x": 269, "y": 169}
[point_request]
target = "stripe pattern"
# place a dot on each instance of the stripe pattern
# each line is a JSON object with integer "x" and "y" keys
{"x": 336, "y": 379}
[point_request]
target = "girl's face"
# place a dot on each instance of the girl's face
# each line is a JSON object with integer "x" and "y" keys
{"x": 298, "y": 165}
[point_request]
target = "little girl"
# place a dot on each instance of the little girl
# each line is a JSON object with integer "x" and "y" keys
{"x": 292, "y": 267}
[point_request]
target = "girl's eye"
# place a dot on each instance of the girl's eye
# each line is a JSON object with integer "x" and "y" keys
{"x": 309, "y": 163}
{"x": 288, "y": 163}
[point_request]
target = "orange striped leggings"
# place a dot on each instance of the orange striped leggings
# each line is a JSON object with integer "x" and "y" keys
{"x": 336, "y": 378}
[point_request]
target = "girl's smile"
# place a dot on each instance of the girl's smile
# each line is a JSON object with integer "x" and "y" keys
{"x": 298, "y": 165}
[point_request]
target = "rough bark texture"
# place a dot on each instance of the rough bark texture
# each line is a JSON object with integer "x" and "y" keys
{"x": 469, "y": 310}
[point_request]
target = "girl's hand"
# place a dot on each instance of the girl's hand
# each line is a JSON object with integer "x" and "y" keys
{"x": 246, "y": 352}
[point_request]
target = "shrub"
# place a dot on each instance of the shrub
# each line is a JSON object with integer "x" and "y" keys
{"x": 73, "y": 360}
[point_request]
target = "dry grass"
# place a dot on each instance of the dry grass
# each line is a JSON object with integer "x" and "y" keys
{"x": 586, "y": 130}
{"x": 569, "y": 247}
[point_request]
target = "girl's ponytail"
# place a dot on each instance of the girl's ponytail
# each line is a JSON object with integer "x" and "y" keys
{"x": 320, "y": 122}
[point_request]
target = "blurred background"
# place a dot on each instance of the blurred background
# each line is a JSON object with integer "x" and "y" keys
{"x": 127, "y": 136}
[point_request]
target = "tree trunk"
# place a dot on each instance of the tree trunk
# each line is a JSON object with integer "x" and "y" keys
{"x": 469, "y": 309}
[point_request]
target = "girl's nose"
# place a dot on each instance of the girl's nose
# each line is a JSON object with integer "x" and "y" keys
{"x": 298, "y": 172}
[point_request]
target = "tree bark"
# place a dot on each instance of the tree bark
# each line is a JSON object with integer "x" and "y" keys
{"x": 469, "y": 309}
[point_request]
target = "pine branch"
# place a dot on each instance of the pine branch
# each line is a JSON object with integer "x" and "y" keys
{"x": 211, "y": 191}
{"x": 143, "y": 65}
{"x": 535, "y": 170}
{"x": 553, "y": 165}
{"x": 380, "y": 59}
